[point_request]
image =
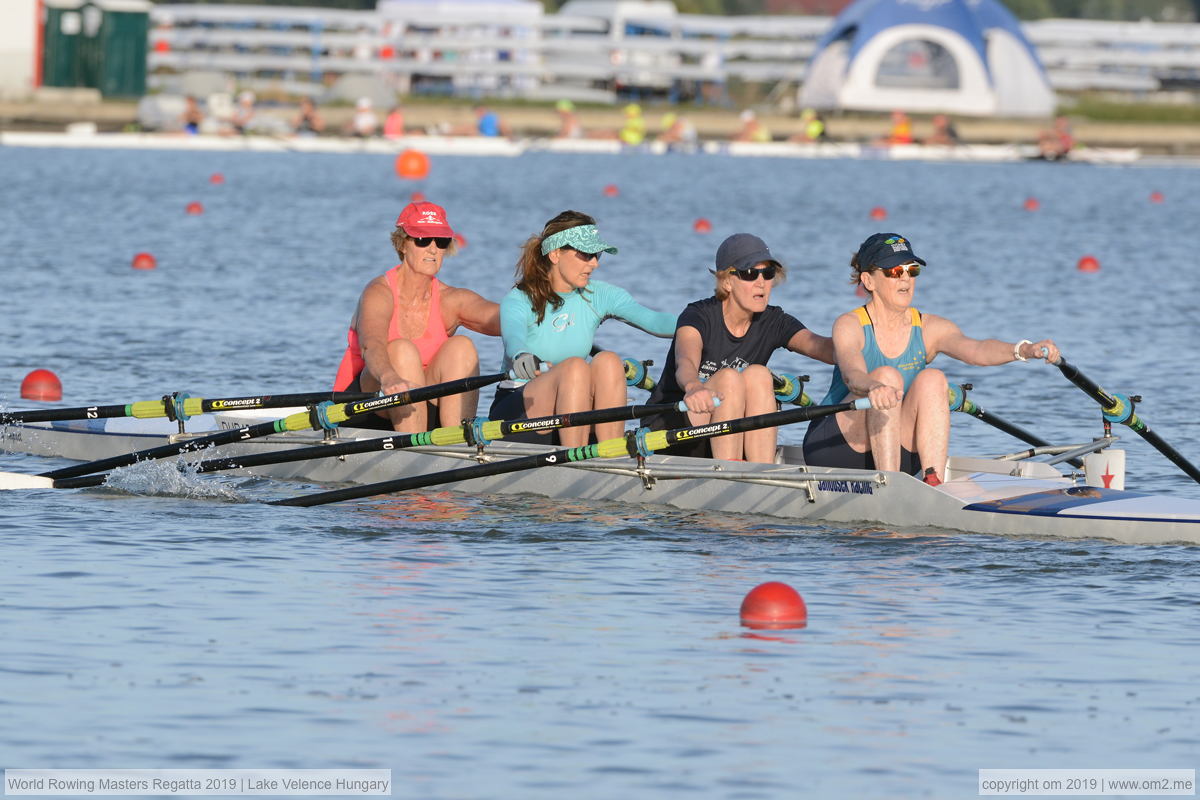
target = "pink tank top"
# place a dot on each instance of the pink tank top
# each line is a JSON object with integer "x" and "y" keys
{"x": 428, "y": 343}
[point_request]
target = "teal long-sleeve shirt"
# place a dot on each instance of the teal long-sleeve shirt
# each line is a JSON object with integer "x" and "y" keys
{"x": 570, "y": 329}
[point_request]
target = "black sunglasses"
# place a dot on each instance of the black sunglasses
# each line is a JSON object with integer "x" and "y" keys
{"x": 582, "y": 255}
{"x": 423, "y": 241}
{"x": 752, "y": 273}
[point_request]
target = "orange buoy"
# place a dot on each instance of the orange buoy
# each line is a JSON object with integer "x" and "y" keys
{"x": 216, "y": 179}
{"x": 460, "y": 240}
{"x": 1088, "y": 264}
{"x": 879, "y": 213}
{"x": 144, "y": 261}
{"x": 702, "y": 225}
{"x": 387, "y": 52}
{"x": 1157, "y": 197}
{"x": 162, "y": 46}
{"x": 774, "y": 605}
{"x": 611, "y": 190}
{"x": 412, "y": 165}
{"x": 195, "y": 208}
{"x": 417, "y": 197}
{"x": 41, "y": 384}
{"x": 1032, "y": 204}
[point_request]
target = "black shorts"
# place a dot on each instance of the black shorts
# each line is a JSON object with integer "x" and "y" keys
{"x": 508, "y": 405}
{"x": 698, "y": 448}
{"x": 825, "y": 446}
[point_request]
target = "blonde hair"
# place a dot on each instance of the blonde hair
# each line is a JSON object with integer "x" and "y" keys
{"x": 533, "y": 268}
{"x": 400, "y": 236}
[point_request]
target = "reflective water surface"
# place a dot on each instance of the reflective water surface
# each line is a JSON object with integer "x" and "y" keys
{"x": 505, "y": 647}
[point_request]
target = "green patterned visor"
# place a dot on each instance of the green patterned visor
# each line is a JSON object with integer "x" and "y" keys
{"x": 584, "y": 238}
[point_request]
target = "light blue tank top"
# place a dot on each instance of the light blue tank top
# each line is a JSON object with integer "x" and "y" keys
{"x": 910, "y": 362}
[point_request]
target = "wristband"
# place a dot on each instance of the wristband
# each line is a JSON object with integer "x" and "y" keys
{"x": 1017, "y": 350}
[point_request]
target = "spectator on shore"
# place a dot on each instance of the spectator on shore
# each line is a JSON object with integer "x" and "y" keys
{"x": 752, "y": 130}
{"x": 812, "y": 128}
{"x": 308, "y": 121}
{"x": 568, "y": 121}
{"x": 1056, "y": 142}
{"x": 900, "y": 133}
{"x": 944, "y": 132}
{"x": 364, "y": 124}
{"x": 488, "y": 123}
{"x": 633, "y": 132}
{"x": 242, "y": 120}
{"x": 393, "y": 124}
{"x": 192, "y": 117}
{"x": 677, "y": 129}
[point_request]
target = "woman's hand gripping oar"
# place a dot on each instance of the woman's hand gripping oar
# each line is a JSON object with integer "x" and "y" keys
{"x": 1119, "y": 408}
{"x": 470, "y": 432}
{"x": 634, "y": 443}
{"x": 320, "y": 416}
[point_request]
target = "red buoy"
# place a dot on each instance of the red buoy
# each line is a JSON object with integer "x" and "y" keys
{"x": 702, "y": 225}
{"x": 41, "y": 384}
{"x": 878, "y": 213}
{"x": 1088, "y": 264}
{"x": 611, "y": 190}
{"x": 412, "y": 165}
{"x": 1157, "y": 197}
{"x": 216, "y": 179}
{"x": 195, "y": 208}
{"x": 1032, "y": 204}
{"x": 460, "y": 240}
{"x": 417, "y": 197}
{"x": 860, "y": 291}
{"x": 387, "y": 52}
{"x": 144, "y": 261}
{"x": 162, "y": 46}
{"x": 774, "y": 605}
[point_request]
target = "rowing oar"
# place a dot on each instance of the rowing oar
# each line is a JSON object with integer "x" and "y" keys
{"x": 181, "y": 407}
{"x": 635, "y": 443}
{"x": 320, "y": 416}
{"x": 1119, "y": 408}
{"x": 960, "y": 402}
{"x": 470, "y": 432}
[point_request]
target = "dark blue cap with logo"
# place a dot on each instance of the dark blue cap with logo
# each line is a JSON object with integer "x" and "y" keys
{"x": 885, "y": 250}
{"x": 743, "y": 251}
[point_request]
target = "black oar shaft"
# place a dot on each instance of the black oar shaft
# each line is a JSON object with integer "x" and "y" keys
{"x": 417, "y": 395}
{"x": 195, "y": 405}
{"x": 611, "y": 448}
{"x": 1016, "y": 431}
{"x": 1111, "y": 405}
{"x": 399, "y": 441}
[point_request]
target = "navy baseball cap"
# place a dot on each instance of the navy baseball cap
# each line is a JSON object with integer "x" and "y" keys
{"x": 743, "y": 251}
{"x": 885, "y": 250}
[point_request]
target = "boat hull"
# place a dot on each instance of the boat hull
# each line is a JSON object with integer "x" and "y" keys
{"x": 980, "y": 495}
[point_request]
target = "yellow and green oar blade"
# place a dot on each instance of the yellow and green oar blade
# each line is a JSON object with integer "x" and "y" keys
{"x": 439, "y": 437}
{"x": 305, "y": 420}
{"x": 609, "y": 448}
{"x": 1119, "y": 408}
{"x": 171, "y": 406}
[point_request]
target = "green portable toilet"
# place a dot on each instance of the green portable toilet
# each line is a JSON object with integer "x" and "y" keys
{"x": 98, "y": 44}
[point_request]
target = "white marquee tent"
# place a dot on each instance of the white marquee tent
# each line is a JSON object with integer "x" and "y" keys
{"x": 953, "y": 56}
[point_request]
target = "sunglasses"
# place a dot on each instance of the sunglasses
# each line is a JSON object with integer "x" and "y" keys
{"x": 911, "y": 270}
{"x": 582, "y": 256}
{"x": 752, "y": 273}
{"x": 424, "y": 241}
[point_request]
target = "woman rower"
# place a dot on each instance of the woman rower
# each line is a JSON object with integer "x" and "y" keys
{"x": 551, "y": 316}
{"x": 721, "y": 349}
{"x": 403, "y": 334}
{"x": 883, "y": 349}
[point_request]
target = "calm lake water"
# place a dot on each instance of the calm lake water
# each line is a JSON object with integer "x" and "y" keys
{"x": 485, "y": 647}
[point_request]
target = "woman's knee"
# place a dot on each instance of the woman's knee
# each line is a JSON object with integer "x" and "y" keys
{"x": 573, "y": 369}
{"x": 457, "y": 352}
{"x": 403, "y": 354}
{"x": 608, "y": 365}
{"x": 888, "y": 375}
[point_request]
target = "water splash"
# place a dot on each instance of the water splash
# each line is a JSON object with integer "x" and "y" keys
{"x": 173, "y": 477}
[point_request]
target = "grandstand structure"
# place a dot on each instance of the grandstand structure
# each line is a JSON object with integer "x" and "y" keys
{"x": 591, "y": 50}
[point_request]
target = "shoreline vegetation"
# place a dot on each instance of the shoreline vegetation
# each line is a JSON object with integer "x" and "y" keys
{"x": 1156, "y": 130}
